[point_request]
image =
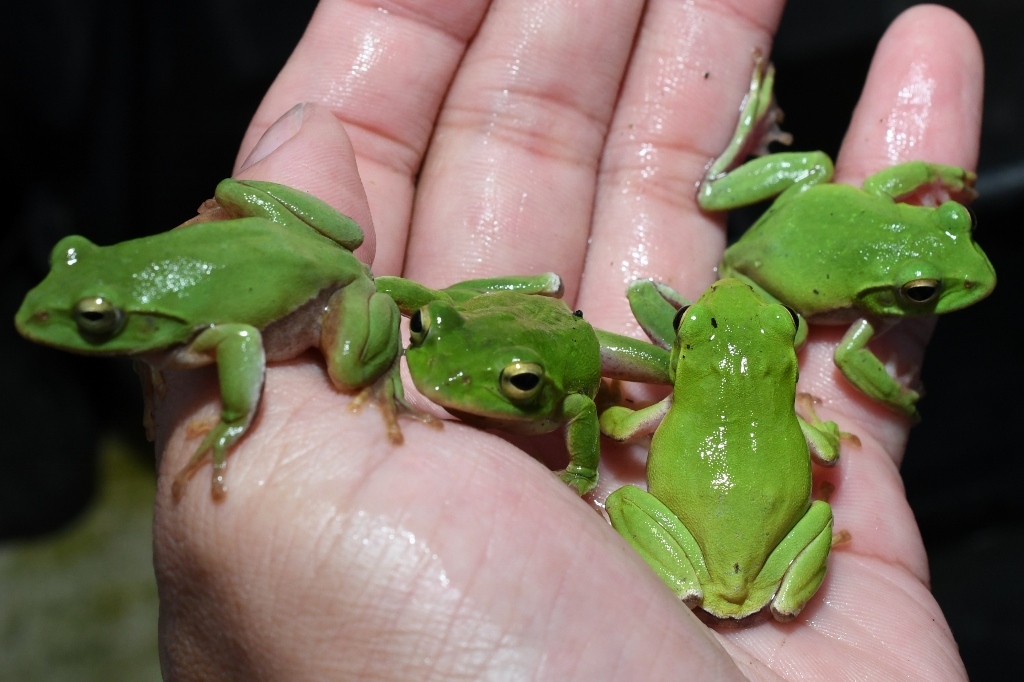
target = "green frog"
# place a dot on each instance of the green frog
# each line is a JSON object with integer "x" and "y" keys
{"x": 264, "y": 273}
{"x": 727, "y": 521}
{"x": 844, "y": 255}
{"x": 507, "y": 353}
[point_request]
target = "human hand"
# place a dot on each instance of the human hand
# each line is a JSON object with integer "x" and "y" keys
{"x": 566, "y": 139}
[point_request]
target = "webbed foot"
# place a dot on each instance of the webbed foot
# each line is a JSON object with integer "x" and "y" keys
{"x": 580, "y": 479}
{"x": 389, "y": 396}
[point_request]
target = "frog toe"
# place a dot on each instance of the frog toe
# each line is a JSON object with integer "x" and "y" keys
{"x": 580, "y": 479}
{"x": 389, "y": 396}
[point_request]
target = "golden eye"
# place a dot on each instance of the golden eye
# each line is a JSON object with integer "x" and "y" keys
{"x": 522, "y": 381}
{"x": 792, "y": 313}
{"x": 98, "y": 316}
{"x": 417, "y": 329}
{"x": 922, "y": 290}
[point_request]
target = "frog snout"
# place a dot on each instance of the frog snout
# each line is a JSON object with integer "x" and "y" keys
{"x": 41, "y": 316}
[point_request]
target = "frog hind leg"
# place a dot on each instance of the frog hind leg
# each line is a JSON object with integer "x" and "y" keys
{"x": 807, "y": 569}
{"x": 241, "y": 364}
{"x": 727, "y": 184}
{"x": 661, "y": 539}
{"x": 904, "y": 179}
{"x": 388, "y": 394}
{"x": 361, "y": 341}
{"x": 289, "y": 207}
{"x": 790, "y": 576}
{"x": 582, "y": 439}
{"x": 764, "y": 178}
{"x": 758, "y": 123}
{"x": 865, "y": 371}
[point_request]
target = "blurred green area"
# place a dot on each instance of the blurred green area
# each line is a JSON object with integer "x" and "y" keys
{"x": 81, "y": 603}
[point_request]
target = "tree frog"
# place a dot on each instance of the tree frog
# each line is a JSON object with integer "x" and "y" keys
{"x": 655, "y": 305}
{"x": 507, "y": 353}
{"x": 265, "y": 273}
{"x": 839, "y": 254}
{"x": 727, "y": 521}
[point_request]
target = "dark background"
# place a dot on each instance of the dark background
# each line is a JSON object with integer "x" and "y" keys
{"x": 122, "y": 115}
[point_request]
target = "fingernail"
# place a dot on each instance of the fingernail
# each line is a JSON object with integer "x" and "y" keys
{"x": 280, "y": 132}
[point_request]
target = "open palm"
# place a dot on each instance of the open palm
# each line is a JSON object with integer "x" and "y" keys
{"x": 515, "y": 138}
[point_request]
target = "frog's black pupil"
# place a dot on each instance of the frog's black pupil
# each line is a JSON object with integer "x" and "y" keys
{"x": 416, "y": 323}
{"x": 525, "y": 381}
{"x": 93, "y": 316}
{"x": 678, "y": 319}
{"x": 920, "y": 293}
{"x": 792, "y": 313}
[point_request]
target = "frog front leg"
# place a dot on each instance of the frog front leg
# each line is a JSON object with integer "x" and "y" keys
{"x": 661, "y": 539}
{"x": 654, "y": 306}
{"x": 238, "y": 351}
{"x": 860, "y": 366}
{"x": 823, "y": 437}
{"x": 411, "y": 296}
{"x": 361, "y": 340}
{"x": 582, "y": 440}
{"x": 623, "y": 424}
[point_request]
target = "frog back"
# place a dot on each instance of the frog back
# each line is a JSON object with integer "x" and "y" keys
{"x": 832, "y": 251}
{"x": 247, "y": 270}
{"x": 730, "y": 459}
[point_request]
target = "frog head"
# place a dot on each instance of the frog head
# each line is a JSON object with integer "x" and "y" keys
{"x": 481, "y": 367}
{"x": 732, "y": 330}
{"x": 84, "y": 306}
{"x": 940, "y": 268}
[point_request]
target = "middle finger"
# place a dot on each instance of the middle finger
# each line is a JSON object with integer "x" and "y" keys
{"x": 508, "y": 183}
{"x": 678, "y": 108}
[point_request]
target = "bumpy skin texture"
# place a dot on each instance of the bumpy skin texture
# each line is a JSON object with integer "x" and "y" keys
{"x": 337, "y": 555}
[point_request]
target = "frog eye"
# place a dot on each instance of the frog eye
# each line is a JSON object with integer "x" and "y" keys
{"x": 678, "y": 319}
{"x": 974, "y": 219}
{"x": 792, "y": 313}
{"x": 417, "y": 329}
{"x": 522, "y": 381}
{"x": 98, "y": 316}
{"x": 923, "y": 290}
